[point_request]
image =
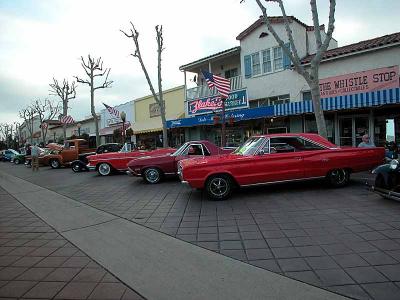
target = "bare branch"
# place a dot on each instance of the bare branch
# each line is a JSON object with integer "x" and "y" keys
{"x": 317, "y": 32}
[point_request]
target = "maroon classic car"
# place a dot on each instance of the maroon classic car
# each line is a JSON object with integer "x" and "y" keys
{"x": 276, "y": 158}
{"x": 153, "y": 168}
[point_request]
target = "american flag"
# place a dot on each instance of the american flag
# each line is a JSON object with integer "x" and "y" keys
{"x": 222, "y": 84}
{"x": 66, "y": 120}
{"x": 112, "y": 110}
{"x": 45, "y": 125}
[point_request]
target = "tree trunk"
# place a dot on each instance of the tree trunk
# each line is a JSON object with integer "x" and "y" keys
{"x": 65, "y": 112}
{"x": 164, "y": 124}
{"x": 316, "y": 99}
{"x": 96, "y": 123}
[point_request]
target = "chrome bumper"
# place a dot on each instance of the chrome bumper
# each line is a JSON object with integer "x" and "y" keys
{"x": 91, "y": 168}
{"x": 185, "y": 182}
{"x": 386, "y": 193}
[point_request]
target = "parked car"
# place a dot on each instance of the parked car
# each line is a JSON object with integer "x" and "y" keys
{"x": 81, "y": 163}
{"x": 9, "y": 154}
{"x": 277, "y": 158}
{"x": 387, "y": 180}
{"x": 20, "y": 157}
{"x": 105, "y": 163}
{"x": 154, "y": 168}
{"x": 67, "y": 153}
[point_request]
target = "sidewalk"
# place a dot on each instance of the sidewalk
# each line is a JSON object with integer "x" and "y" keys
{"x": 156, "y": 265}
{"x": 36, "y": 262}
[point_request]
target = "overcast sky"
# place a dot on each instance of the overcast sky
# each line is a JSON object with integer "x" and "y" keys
{"x": 40, "y": 39}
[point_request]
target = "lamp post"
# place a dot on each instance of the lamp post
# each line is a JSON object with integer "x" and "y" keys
{"x": 79, "y": 128}
{"x": 123, "y": 118}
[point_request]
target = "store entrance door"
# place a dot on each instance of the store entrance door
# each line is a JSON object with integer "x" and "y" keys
{"x": 351, "y": 129}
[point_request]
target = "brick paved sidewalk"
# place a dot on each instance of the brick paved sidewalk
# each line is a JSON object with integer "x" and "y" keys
{"x": 38, "y": 263}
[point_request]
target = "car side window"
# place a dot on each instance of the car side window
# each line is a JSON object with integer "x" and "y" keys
{"x": 195, "y": 150}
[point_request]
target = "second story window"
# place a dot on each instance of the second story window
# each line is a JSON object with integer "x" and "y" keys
{"x": 267, "y": 63}
{"x": 231, "y": 73}
{"x": 278, "y": 59}
{"x": 255, "y": 61}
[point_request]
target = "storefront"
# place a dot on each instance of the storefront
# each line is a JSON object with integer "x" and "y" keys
{"x": 148, "y": 125}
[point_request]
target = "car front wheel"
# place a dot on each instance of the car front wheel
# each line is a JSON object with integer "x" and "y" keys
{"x": 55, "y": 164}
{"x": 338, "y": 177}
{"x": 104, "y": 169}
{"x": 152, "y": 175}
{"x": 219, "y": 187}
{"x": 17, "y": 162}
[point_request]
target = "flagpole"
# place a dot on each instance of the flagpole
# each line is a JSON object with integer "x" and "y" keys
{"x": 223, "y": 136}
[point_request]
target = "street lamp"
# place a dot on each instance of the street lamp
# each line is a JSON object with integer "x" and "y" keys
{"x": 123, "y": 118}
{"x": 79, "y": 125}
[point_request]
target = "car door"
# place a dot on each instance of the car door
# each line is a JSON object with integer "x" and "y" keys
{"x": 278, "y": 161}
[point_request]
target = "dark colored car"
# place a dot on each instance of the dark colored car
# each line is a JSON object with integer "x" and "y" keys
{"x": 387, "y": 180}
{"x": 81, "y": 163}
{"x": 154, "y": 168}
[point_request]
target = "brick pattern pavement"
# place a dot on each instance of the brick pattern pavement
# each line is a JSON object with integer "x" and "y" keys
{"x": 345, "y": 240}
{"x": 38, "y": 263}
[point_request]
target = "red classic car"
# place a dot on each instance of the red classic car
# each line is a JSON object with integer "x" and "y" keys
{"x": 153, "y": 168}
{"x": 105, "y": 163}
{"x": 277, "y": 158}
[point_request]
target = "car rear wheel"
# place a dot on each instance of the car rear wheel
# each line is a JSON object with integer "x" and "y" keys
{"x": 152, "y": 175}
{"x": 55, "y": 164}
{"x": 338, "y": 177}
{"x": 219, "y": 187}
{"x": 76, "y": 167}
{"x": 104, "y": 169}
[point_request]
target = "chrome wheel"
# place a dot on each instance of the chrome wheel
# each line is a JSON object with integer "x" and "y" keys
{"x": 104, "y": 169}
{"x": 55, "y": 164}
{"x": 152, "y": 175}
{"x": 219, "y": 187}
{"x": 338, "y": 177}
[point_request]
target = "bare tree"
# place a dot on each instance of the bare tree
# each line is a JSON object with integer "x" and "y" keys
{"x": 65, "y": 91}
{"x": 28, "y": 115}
{"x": 134, "y": 34}
{"x": 94, "y": 68}
{"x": 45, "y": 110}
{"x": 311, "y": 75}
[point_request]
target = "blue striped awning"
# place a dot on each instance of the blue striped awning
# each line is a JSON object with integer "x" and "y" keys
{"x": 369, "y": 99}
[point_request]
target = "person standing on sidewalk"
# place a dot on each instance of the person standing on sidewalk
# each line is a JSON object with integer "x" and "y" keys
{"x": 35, "y": 157}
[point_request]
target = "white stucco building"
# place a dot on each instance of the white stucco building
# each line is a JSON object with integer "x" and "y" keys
{"x": 359, "y": 85}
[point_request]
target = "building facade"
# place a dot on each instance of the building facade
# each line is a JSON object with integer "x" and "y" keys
{"x": 148, "y": 126}
{"x": 359, "y": 85}
{"x": 109, "y": 122}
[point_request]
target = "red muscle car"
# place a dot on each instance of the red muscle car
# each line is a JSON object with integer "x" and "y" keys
{"x": 153, "y": 168}
{"x": 105, "y": 163}
{"x": 276, "y": 158}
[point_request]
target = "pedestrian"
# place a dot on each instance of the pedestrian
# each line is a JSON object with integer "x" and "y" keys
{"x": 366, "y": 142}
{"x": 35, "y": 157}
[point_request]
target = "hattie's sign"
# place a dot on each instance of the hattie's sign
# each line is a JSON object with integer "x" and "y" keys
{"x": 366, "y": 81}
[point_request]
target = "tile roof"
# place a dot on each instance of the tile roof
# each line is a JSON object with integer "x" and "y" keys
{"x": 356, "y": 47}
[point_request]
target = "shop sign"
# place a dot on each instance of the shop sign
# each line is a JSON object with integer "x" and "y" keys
{"x": 360, "y": 82}
{"x": 236, "y": 99}
{"x": 154, "y": 110}
{"x": 236, "y": 115}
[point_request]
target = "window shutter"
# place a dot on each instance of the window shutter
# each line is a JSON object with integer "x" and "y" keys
{"x": 247, "y": 66}
{"x": 286, "y": 59}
